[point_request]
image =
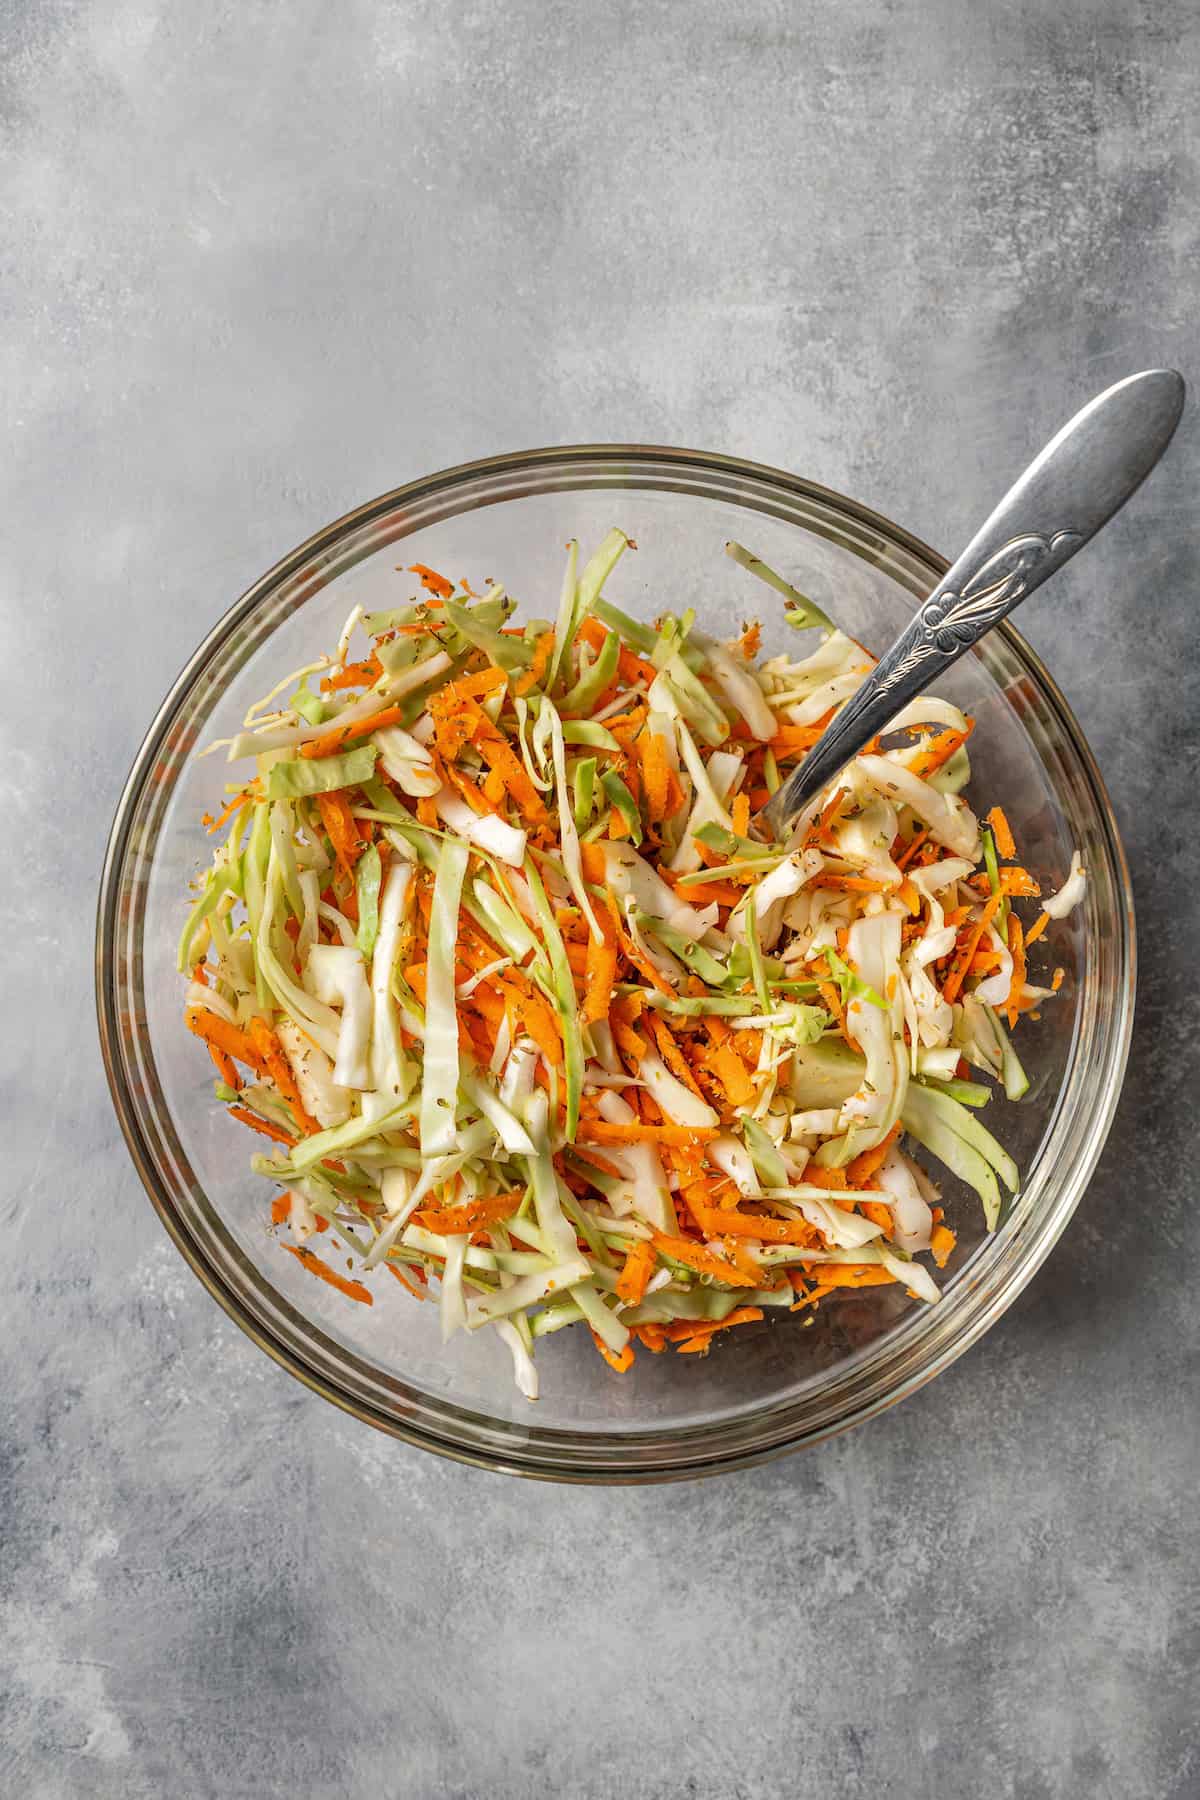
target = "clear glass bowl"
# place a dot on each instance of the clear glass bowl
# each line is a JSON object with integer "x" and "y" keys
{"x": 765, "y": 1388}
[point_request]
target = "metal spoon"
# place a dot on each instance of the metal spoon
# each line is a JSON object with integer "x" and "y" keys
{"x": 1072, "y": 488}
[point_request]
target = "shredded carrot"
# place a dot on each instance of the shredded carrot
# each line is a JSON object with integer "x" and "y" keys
{"x": 281, "y": 1207}
{"x": 695, "y": 1256}
{"x": 431, "y": 581}
{"x": 629, "y": 948}
{"x": 962, "y": 963}
{"x": 656, "y": 770}
{"x": 1002, "y": 832}
{"x": 631, "y": 1045}
{"x": 537, "y": 1019}
{"x": 535, "y": 673}
{"x": 909, "y": 894}
{"x": 618, "y": 1360}
{"x": 416, "y": 1292}
{"x": 868, "y": 1163}
{"x": 603, "y": 1131}
{"x": 695, "y": 1340}
{"x": 1036, "y": 929}
{"x": 816, "y": 1175}
{"x": 639, "y": 1266}
{"x": 457, "y": 694}
{"x": 914, "y": 844}
{"x": 472, "y": 1215}
{"x": 652, "y": 1337}
{"x": 219, "y": 1033}
{"x": 700, "y": 893}
{"x": 720, "y": 1222}
{"x": 829, "y": 814}
{"x": 793, "y": 740}
{"x": 278, "y": 1067}
{"x": 940, "y": 751}
{"x": 225, "y": 1067}
{"x": 727, "y": 1065}
{"x": 855, "y": 1275}
{"x": 600, "y": 970}
{"x": 341, "y": 828}
{"x": 252, "y": 1119}
{"x": 333, "y": 741}
{"x": 356, "y": 674}
{"x": 499, "y": 755}
{"x": 852, "y": 884}
{"x": 1017, "y": 883}
{"x": 353, "y": 1290}
{"x": 941, "y": 1244}
{"x": 233, "y": 806}
{"x": 673, "y": 1056}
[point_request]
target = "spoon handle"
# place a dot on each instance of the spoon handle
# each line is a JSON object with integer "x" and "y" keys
{"x": 1072, "y": 488}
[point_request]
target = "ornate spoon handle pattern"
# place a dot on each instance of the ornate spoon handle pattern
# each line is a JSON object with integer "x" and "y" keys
{"x": 1082, "y": 477}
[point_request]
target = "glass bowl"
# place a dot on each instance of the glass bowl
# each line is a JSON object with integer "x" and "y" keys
{"x": 765, "y": 1388}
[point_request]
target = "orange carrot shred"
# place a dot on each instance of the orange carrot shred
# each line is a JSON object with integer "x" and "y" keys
{"x": 230, "y": 1039}
{"x": 338, "y": 735}
{"x": 472, "y": 1215}
{"x": 341, "y": 828}
{"x": 962, "y": 963}
{"x": 602, "y": 1131}
{"x": 353, "y": 1290}
{"x": 620, "y": 1361}
{"x": 941, "y": 1244}
{"x": 1036, "y": 929}
{"x": 264, "y": 1126}
{"x": 600, "y": 970}
{"x": 639, "y": 1266}
{"x": 695, "y": 1256}
{"x": 431, "y": 581}
{"x": 1002, "y": 832}
{"x": 416, "y": 1292}
{"x": 868, "y": 1162}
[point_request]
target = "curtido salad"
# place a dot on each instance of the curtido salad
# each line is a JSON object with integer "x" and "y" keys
{"x": 535, "y": 1016}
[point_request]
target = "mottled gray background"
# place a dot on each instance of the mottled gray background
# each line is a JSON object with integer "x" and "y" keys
{"x": 261, "y": 262}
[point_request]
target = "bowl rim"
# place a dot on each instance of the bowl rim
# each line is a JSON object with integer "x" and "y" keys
{"x": 578, "y": 1470}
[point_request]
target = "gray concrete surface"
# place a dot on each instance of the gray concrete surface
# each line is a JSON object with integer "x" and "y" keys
{"x": 263, "y": 261}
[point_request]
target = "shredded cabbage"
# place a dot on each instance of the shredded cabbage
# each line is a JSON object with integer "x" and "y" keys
{"x": 533, "y": 1010}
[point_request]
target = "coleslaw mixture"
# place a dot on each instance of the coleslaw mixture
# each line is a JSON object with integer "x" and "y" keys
{"x": 497, "y": 958}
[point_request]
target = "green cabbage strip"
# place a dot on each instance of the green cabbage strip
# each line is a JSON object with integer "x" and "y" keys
{"x": 768, "y": 1164}
{"x": 321, "y": 774}
{"x": 367, "y": 877}
{"x": 642, "y": 637}
{"x": 589, "y": 734}
{"x": 594, "y": 679}
{"x": 508, "y": 653}
{"x": 586, "y": 593}
{"x": 307, "y": 705}
{"x": 619, "y": 796}
{"x": 583, "y": 784}
{"x": 226, "y": 880}
{"x": 758, "y": 973}
{"x": 283, "y": 839}
{"x": 439, "y": 1076}
{"x": 566, "y": 614}
{"x": 255, "y": 859}
{"x": 958, "y": 1139}
{"x": 567, "y": 832}
{"x": 802, "y": 612}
